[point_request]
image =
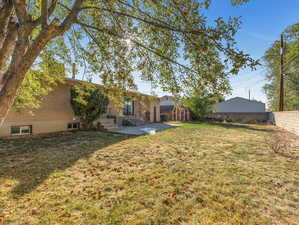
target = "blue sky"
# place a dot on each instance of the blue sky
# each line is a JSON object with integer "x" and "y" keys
{"x": 262, "y": 23}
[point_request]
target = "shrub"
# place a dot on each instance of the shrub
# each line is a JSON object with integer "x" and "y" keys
{"x": 201, "y": 106}
{"x": 164, "y": 118}
{"x": 89, "y": 103}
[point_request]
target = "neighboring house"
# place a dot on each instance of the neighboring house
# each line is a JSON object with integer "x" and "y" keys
{"x": 167, "y": 100}
{"x": 56, "y": 113}
{"x": 171, "y": 110}
{"x": 240, "y": 105}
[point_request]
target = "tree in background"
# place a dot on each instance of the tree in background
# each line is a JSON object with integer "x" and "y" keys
{"x": 89, "y": 103}
{"x": 201, "y": 105}
{"x": 272, "y": 63}
{"x": 115, "y": 38}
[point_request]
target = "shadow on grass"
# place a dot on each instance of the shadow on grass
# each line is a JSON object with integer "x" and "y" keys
{"x": 30, "y": 161}
{"x": 231, "y": 125}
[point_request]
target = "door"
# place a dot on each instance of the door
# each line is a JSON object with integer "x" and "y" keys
{"x": 148, "y": 116}
{"x": 155, "y": 114}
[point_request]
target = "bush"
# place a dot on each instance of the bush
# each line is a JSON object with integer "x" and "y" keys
{"x": 164, "y": 118}
{"x": 89, "y": 103}
{"x": 201, "y": 106}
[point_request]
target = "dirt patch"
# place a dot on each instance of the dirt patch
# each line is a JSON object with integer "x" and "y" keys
{"x": 283, "y": 143}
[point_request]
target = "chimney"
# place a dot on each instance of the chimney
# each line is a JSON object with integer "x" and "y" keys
{"x": 74, "y": 71}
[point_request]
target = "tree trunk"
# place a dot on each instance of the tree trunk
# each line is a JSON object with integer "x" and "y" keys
{"x": 5, "y": 13}
{"x": 8, "y": 47}
{"x": 19, "y": 66}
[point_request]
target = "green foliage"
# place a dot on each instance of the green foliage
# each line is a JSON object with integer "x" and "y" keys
{"x": 164, "y": 118}
{"x": 201, "y": 105}
{"x": 116, "y": 39}
{"x": 88, "y": 102}
{"x": 272, "y": 62}
{"x": 201, "y": 50}
{"x": 239, "y": 2}
{"x": 39, "y": 83}
{"x": 168, "y": 43}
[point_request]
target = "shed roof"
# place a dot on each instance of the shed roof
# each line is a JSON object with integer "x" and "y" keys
{"x": 166, "y": 108}
{"x": 243, "y": 99}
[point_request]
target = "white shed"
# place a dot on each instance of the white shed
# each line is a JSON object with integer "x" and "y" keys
{"x": 239, "y": 104}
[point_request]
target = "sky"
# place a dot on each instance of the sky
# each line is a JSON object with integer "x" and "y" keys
{"x": 262, "y": 23}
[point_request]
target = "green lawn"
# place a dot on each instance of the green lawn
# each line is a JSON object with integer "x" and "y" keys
{"x": 195, "y": 174}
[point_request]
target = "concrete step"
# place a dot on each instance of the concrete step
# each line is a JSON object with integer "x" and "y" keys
{"x": 106, "y": 120}
{"x": 136, "y": 122}
{"x": 108, "y": 123}
{"x": 113, "y": 128}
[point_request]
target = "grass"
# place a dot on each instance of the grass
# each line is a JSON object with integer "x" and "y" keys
{"x": 195, "y": 174}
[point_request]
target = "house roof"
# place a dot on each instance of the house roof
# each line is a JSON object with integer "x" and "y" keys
{"x": 166, "y": 108}
{"x": 75, "y": 81}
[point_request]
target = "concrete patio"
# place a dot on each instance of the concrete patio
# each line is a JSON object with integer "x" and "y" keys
{"x": 145, "y": 129}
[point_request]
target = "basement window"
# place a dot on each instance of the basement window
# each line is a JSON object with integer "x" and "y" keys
{"x": 21, "y": 130}
{"x": 73, "y": 126}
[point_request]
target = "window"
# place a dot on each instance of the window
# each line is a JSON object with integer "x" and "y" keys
{"x": 21, "y": 130}
{"x": 128, "y": 107}
{"x": 109, "y": 111}
{"x": 73, "y": 126}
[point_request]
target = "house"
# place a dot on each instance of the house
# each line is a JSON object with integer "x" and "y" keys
{"x": 172, "y": 110}
{"x": 240, "y": 105}
{"x": 56, "y": 113}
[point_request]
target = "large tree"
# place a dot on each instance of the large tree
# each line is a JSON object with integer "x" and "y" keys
{"x": 272, "y": 63}
{"x": 167, "y": 42}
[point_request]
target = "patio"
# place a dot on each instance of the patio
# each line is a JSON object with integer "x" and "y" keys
{"x": 145, "y": 129}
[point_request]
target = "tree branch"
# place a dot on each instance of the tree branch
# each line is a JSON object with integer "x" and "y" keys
{"x": 160, "y": 25}
{"x": 142, "y": 12}
{"x": 8, "y": 45}
{"x": 112, "y": 33}
{"x": 49, "y": 13}
{"x": 21, "y": 11}
{"x": 52, "y": 8}
{"x": 5, "y": 12}
{"x": 72, "y": 16}
{"x": 44, "y": 13}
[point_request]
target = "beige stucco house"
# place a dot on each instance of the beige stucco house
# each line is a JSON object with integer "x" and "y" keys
{"x": 56, "y": 113}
